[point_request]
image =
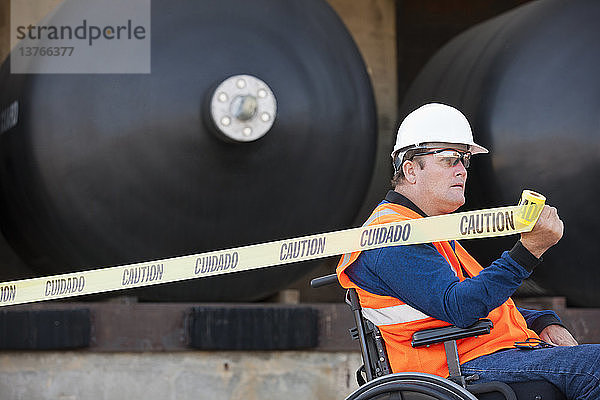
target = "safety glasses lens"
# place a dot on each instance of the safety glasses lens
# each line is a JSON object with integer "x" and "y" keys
{"x": 450, "y": 158}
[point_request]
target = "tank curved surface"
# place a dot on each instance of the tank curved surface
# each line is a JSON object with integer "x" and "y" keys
{"x": 528, "y": 82}
{"x": 107, "y": 169}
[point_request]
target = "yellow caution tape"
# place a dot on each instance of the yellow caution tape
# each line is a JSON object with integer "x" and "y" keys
{"x": 485, "y": 223}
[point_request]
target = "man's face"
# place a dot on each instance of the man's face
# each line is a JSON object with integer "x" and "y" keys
{"x": 441, "y": 185}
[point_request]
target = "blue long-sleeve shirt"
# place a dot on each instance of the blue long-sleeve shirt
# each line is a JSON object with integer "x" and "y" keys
{"x": 422, "y": 278}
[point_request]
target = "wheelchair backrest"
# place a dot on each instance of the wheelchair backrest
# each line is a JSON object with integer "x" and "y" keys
{"x": 372, "y": 346}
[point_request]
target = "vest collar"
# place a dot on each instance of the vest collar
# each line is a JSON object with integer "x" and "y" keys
{"x": 397, "y": 198}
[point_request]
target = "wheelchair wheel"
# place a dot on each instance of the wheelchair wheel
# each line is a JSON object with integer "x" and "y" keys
{"x": 410, "y": 386}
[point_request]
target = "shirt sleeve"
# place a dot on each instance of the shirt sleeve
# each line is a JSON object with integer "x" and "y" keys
{"x": 538, "y": 320}
{"x": 422, "y": 278}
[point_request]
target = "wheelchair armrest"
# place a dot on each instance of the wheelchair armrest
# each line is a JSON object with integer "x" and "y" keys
{"x": 439, "y": 335}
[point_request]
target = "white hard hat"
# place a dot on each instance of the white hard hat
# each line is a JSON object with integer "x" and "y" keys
{"x": 435, "y": 123}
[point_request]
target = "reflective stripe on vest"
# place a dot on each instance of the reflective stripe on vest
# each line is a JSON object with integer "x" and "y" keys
{"x": 393, "y": 315}
{"x": 388, "y": 315}
{"x": 399, "y": 312}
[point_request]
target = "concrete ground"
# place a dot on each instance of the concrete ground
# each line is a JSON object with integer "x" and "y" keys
{"x": 181, "y": 376}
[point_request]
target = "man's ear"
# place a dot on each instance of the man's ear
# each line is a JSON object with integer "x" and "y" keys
{"x": 408, "y": 167}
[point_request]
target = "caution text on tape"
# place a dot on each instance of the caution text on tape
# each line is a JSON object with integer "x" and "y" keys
{"x": 485, "y": 223}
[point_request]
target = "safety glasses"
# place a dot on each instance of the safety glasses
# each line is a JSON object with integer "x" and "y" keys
{"x": 449, "y": 157}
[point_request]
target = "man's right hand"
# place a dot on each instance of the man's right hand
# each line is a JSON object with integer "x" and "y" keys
{"x": 546, "y": 233}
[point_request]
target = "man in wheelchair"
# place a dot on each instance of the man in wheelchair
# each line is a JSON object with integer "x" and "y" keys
{"x": 406, "y": 289}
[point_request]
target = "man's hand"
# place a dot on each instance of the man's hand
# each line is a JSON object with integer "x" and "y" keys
{"x": 546, "y": 233}
{"x": 558, "y": 336}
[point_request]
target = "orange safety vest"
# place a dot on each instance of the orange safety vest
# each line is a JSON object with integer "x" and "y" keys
{"x": 398, "y": 321}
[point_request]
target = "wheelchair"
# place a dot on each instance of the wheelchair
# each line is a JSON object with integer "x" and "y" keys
{"x": 376, "y": 380}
